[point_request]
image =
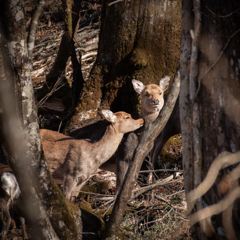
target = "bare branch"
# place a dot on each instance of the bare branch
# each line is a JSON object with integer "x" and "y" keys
{"x": 33, "y": 28}
{"x": 141, "y": 151}
{"x": 223, "y": 160}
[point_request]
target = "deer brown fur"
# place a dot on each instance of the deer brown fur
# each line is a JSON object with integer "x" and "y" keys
{"x": 74, "y": 161}
{"x": 151, "y": 104}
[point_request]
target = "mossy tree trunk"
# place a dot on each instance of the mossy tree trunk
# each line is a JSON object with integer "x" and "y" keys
{"x": 43, "y": 203}
{"x": 210, "y": 95}
{"x": 138, "y": 39}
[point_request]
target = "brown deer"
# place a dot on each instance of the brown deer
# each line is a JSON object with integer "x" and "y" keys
{"x": 151, "y": 104}
{"x": 75, "y": 160}
{"x": 9, "y": 200}
{"x": 172, "y": 128}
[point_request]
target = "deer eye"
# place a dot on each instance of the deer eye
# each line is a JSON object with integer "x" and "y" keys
{"x": 127, "y": 117}
{"x": 147, "y": 94}
{"x": 160, "y": 93}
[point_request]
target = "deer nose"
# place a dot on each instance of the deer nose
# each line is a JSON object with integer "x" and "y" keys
{"x": 155, "y": 101}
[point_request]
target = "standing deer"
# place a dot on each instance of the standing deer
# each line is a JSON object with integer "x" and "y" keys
{"x": 9, "y": 200}
{"x": 75, "y": 160}
{"x": 151, "y": 104}
{"x": 172, "y": 128}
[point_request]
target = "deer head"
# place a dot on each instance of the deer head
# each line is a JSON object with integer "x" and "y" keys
{"x": 122, "y": 121}
{"x": 152, "y": 95}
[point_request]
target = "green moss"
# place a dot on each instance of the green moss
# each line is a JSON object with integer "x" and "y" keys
{"x": 63, "y": 211}
{"x": 98, "y": 187}
{"x": 86, "y": 206}
{"x": 103, "y": 213}
{"x": 142, "y": 51}
{"x": 93, "y": 220}
{"x": 167, "y": 156}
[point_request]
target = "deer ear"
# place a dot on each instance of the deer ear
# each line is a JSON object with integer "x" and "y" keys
{"x": 138, "y": 86}
{"x": 164, "y": 82}
{"x": 109, "y": 115}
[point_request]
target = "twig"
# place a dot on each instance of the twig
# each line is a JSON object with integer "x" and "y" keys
{"x": 108, "y": 208}
{"x": 182, "y": 218}
{"x": 150, "y": 187}
{"x": 161, "y": 198}
{"x": 171, "y": 205}
{"x": 159, "y": 219}
{"x": 110, "y": 201}
{"x": 175, "y": 193}
{"x": 228, "y": 15}
{"x": 117, "y": 1}
{"x": 54, "y": 89}
{"x": 160, "y": 170}
{"x": 97, "y": 194}
{"x": 219, "y": 56}
{"x": 89, "y": 233}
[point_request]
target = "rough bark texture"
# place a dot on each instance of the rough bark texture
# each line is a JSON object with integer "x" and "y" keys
{"x": 210, "y": 112}
{"x": 46, "y": 209}
{"x": 69, "y": 94}
{"x": 154, "y": 129}
{"x": 138, "y": 39}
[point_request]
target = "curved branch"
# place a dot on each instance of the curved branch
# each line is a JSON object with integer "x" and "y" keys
{"x": 223, "y": 160}
{"x": 141, "y": 151}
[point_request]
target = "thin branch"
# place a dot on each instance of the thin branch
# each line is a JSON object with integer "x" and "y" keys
{"x": 216, "y": 208}
{"x": 54, "y": 89}
{"x": 176, "y": 193}
{"x": 142, "y": 149}
{"x": 150, "y": 187}
{"x": 223, "y": 160}
{"x": 161, "y": 170}
{"x": 159, "y": 219}
{"x": 228, "y": 15}
{"x": 219, "y": 56}
{"x": 33, "y": 28}
{"x": 117, "y": 1}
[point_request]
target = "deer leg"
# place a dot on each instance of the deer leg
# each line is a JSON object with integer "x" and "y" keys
{"x": 122, "y": 167}
{"x": 76, "y": 191}
{"x": 5, "y": 218}
{"x": 23, "y": 226}
{"x": 72, "y": 186}
{"x": 69, "y": 184}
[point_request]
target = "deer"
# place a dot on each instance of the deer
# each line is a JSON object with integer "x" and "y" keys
{"x": 152, "y": 96}
{"x": 172, "y": 128}
{"x": 9, "y": 200}
{"x": 73, "y": 161}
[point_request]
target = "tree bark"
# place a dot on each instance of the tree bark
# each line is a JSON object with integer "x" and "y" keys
{"x": 154, "y": 129}
{"x": 138, "y": 39}
{"x": 33, "y": 28}
{"x": 209, "y": 97}
{"x": 68, "y": 94}
{"x": 47, "y": 212}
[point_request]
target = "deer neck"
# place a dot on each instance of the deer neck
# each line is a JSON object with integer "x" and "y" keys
{"x": 108, "y": 144}
{"x": 148, "y": 117}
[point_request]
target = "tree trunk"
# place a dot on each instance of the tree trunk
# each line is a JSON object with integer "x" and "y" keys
{"x": 210, "y": 95}
{"x": 47, "y": 212}
{"x": 138, "y": 39}
{"x": 68, "y": 94}
{"x": 154, "y": 129}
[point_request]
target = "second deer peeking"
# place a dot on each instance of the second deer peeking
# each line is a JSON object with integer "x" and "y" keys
{"x": 73, "y": 161}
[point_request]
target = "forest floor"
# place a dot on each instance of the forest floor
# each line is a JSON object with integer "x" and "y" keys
{"x": 157, "y": 210}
